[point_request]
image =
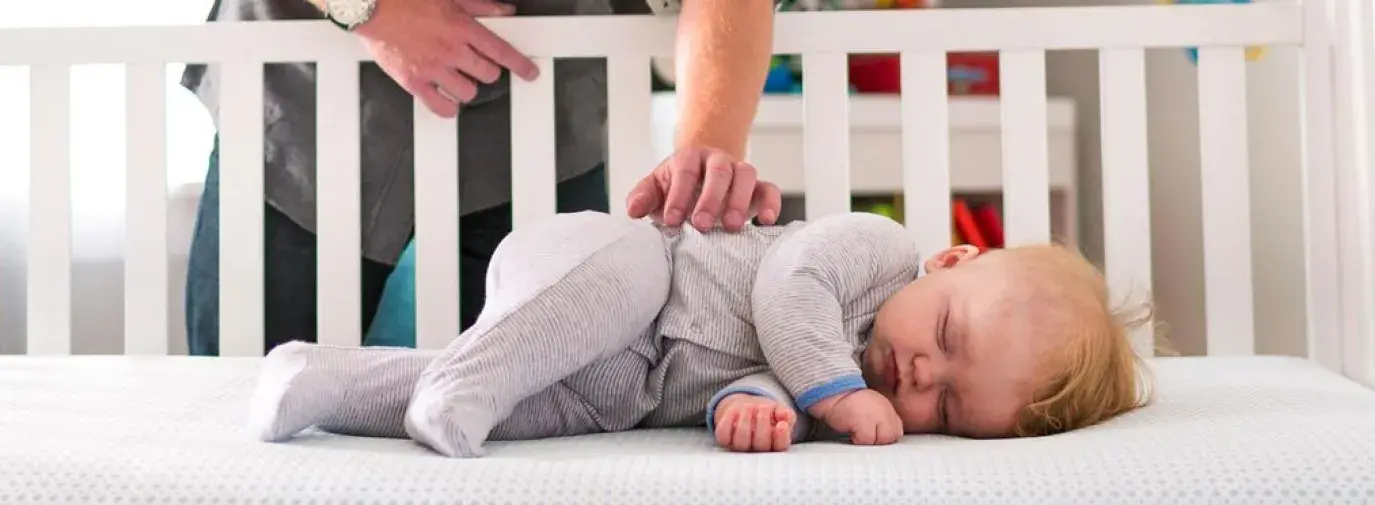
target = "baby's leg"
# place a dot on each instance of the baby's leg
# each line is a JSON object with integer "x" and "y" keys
{"x": 564, "y": 293}
{"x": 359, "y": 391}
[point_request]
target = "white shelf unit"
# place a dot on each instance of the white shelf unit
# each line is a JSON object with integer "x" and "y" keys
{"x": 775, "y": 148}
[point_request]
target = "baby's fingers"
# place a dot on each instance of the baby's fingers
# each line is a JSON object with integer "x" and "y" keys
{"x": 725, "y": 429}
{"x": 890, "y": 433}
{"x": 865, "y": 434}
{"x": 784, "y": 414}
{"x": 763, "y": 436}
{"x": 782, "y": 436}
{"x": 744, "y": 431}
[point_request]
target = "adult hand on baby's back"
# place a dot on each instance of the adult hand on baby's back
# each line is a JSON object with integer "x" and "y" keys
{"x": 865, "y": 415}
{"x": 749, "y": 423}
{"x": 726, "y": 190}
{"x": 436, "y": 49}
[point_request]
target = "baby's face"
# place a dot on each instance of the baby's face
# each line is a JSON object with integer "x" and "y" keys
{"x": 956, "y": 351}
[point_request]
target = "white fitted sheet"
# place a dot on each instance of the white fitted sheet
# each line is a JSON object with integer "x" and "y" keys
{"x": 164, "y": 430}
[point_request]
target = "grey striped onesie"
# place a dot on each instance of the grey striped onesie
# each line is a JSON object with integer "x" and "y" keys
{"x": 598, "y": 323}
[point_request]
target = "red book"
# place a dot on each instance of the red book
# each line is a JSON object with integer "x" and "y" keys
{"x": 991, "y": 224}
{"x": 965, "y": 224}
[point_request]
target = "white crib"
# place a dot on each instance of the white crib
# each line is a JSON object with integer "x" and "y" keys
{"x": 1229, "y": 427}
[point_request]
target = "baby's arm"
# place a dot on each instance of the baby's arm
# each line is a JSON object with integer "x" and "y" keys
{"x": 755, "y": 413}
{"x": 802, "y": 287}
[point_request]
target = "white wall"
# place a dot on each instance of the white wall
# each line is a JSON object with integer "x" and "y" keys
{"x": 1177, "y": 251}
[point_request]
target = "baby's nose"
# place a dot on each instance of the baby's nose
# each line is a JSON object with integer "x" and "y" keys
{"x": 923, "y": 373}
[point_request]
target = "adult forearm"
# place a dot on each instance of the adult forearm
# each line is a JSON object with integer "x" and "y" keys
{"x": 722, "y": 59}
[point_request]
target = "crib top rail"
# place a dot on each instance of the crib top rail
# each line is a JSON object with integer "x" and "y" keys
{"x": 1057, "y": 28}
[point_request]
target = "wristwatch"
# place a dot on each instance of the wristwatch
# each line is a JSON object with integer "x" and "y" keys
{"x": 348, "y": 14}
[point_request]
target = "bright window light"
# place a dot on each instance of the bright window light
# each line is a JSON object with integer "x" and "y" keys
{"x": 98, "y": 154}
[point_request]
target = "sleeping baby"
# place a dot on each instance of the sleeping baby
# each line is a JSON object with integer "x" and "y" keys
{"x": 832, "y": 328}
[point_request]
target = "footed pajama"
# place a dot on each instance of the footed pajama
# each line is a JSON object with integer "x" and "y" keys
{"x": 597, "y": 323}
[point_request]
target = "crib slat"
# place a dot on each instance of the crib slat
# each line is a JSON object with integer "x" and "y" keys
{"x": 436, "y": 229}
{"x": 1354, "y": 214}
{"x": 1226, "y": 207}
{"x": 146, "y": 298}
{"x": 1026, "y": 167}
{"x": 926, "y": 149}
{"x": 534, "y": 193}
{"x": 826, "y": 133}
{"x": 50, "y": 212}
{"x": 1365, "y": 39}
{"x": 631, "y": 156}
{"x": 1320, "y": 212}
{"x": 241, "y": 209}
{"x": 1126, "y": 182}
{"x": 338, "y": 295}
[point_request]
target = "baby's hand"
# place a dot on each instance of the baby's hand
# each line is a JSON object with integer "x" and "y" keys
{"x": 749, "y": 423}
{"x": 866, "y": 415}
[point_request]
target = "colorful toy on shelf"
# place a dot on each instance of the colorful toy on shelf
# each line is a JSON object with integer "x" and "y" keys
{"x": 868, "y": 73}
{"x": 781, "y": 77}
{"x": 876, "y": 73}
{"x": 1253, "y": 53}
{"x": 974, "y": 73}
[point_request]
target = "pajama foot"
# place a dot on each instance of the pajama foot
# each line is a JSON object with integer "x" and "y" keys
{"x": 360, "y": 391}
{"x": 289, "y": 397}
{"x": 445, "y": 426}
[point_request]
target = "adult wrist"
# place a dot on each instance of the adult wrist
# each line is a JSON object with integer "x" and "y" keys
{"x": 351, "y": 15}
{"x": 706, "y": 141}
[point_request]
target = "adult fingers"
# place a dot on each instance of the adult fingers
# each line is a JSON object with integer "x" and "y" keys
{"x": 486, "y": 7}
{"x": 457, "y": 86}
{"x": 768, "y": 201}
{"x": 717, "y": 172}
{"x": 425, "y": 90}
{"x": 500, "y": 51}
{"x": 684, "y": 172}
{"x": 645, "y": 198}
{"x": 477, "y": 66}
{"x": 737, "y": 210}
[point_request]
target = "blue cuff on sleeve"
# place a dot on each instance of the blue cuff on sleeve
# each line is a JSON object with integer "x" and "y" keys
{"x": 721, "y": 395}
{"x": 842, "y": 384}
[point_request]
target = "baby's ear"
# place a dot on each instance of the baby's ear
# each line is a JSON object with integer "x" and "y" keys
{"x": 951, "y": 257}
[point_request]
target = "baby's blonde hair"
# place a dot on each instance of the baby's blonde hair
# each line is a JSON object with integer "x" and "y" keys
{"x": 1096, "y": 376}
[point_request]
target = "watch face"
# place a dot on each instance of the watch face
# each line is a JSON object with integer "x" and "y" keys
{"x": 349, "y": 12}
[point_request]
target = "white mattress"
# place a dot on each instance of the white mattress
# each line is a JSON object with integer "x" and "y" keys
{"x": 163, "y": 430}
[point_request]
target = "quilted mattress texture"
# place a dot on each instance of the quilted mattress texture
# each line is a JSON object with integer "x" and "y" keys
{"x": 130, "y": 430}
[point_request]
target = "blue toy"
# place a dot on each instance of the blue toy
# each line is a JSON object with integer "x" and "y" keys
{"x": 781, "y": 77}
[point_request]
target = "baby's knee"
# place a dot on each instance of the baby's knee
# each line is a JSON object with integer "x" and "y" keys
{"x": 577, "y": 237}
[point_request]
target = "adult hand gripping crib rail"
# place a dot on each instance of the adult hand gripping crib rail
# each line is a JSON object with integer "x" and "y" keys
{"x": 1227, "y": 427}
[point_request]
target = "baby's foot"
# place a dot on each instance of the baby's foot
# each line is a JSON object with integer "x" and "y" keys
{"x": 291, "y": 395}
{"x": 359, "y": 391}
{"x": 447, "y": 424}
